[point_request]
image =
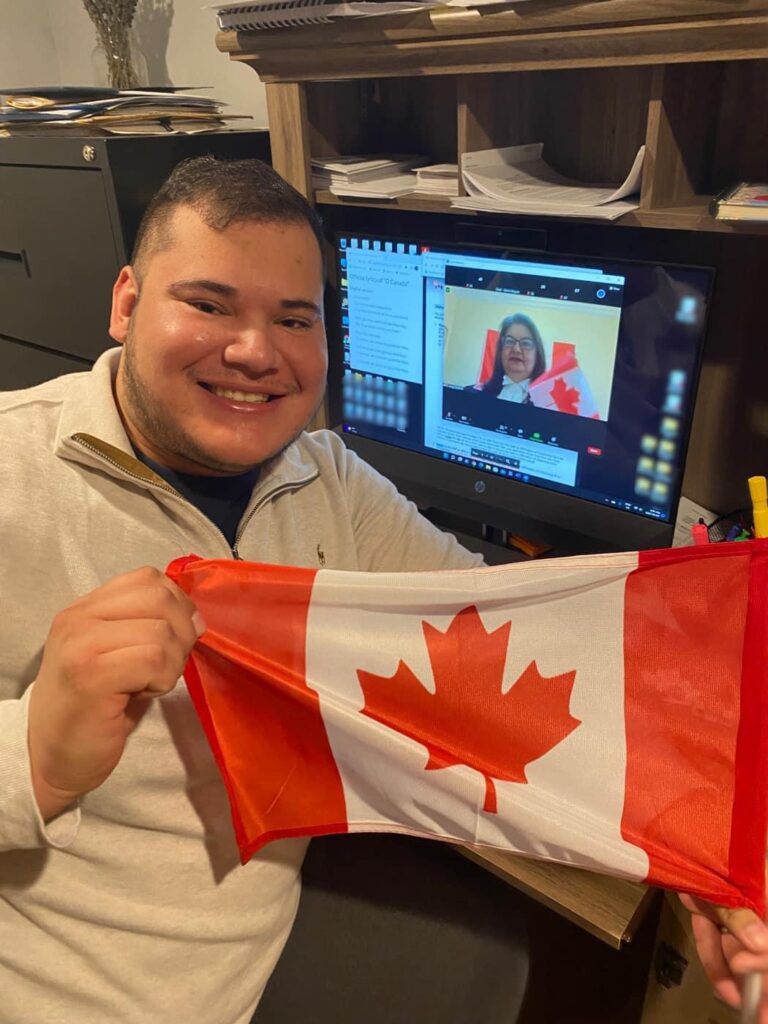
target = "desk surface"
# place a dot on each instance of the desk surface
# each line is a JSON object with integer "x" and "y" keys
{"x": 609, "y": 908}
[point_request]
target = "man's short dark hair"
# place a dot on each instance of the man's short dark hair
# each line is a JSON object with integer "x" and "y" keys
{"x": 222, "y": 192}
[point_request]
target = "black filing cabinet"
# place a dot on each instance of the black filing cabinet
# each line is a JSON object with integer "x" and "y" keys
{"x": 69, "y": 210}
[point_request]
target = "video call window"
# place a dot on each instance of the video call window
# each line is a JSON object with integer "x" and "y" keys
{"x": 547, "y": 342}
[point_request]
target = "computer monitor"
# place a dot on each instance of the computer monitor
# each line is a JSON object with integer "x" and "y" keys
{"x": 545, "y": 395}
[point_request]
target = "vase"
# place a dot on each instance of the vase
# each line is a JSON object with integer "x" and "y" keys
{"x": 117, "y": 60}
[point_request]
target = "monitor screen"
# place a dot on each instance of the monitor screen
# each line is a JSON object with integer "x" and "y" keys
{"x": 567, "y": 376}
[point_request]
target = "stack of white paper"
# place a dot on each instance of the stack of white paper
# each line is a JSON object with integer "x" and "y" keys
{"x": 274, "y": 14}
{"x": 383, "y": 188}
{"x": 517, "y": 180}
{"x": 438, "y": 179}
{"x": 278, "y": 14}
{"x": 365, "y": 176}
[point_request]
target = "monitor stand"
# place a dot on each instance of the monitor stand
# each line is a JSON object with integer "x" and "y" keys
{"x": 501, "y": 547}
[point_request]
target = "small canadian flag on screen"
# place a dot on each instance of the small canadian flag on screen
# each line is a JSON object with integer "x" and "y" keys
{"x": 606, "y": 711}
{"x": 564, "y": 387}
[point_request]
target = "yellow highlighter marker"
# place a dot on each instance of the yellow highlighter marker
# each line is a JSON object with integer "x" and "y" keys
{"x": 758, "y": 492}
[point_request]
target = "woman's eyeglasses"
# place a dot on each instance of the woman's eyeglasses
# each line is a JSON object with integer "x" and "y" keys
{"x": 524, "y": 344}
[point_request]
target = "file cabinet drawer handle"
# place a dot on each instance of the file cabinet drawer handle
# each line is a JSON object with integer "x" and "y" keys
{"x": 11, "y": 257}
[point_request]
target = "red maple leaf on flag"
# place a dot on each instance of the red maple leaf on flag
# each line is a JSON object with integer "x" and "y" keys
{"x": 468, "y": 720}
{"x": 566, "y": 399}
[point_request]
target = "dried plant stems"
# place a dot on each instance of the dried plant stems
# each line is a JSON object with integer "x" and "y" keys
{"x": 112, "y": 20}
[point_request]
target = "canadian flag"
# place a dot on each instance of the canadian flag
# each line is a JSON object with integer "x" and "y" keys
{"x": 607, "y": 711}
{"x": 564, "y": 387}
{"x": 485, "y": 372}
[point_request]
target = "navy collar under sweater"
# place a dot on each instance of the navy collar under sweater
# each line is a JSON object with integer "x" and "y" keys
{"x": 223, "y": 499}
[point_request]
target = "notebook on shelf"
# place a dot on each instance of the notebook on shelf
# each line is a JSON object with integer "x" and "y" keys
{"x": 745, "y": 201}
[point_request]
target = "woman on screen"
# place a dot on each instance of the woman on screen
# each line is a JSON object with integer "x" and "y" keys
{"x": 519, "y": 360}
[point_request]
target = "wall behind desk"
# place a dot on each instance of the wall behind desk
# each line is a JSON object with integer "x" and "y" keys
{"x": 27, "y": 53}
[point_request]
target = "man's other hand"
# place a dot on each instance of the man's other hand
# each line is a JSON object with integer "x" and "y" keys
{"x": 731, "y": 945}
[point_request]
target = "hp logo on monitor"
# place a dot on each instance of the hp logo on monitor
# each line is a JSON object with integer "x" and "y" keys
{"x": 479, "y": 486}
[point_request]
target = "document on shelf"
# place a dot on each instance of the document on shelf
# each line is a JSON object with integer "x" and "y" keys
{"x": 363, "y": 163}
{"x": 381, "y": 188}
{"x": 329, "y": 172}
{"x": 608, "y": 211}
{"x": 365, "y": 176}
{"x": 518, "y": 179}
{"x": 438, "y": 179}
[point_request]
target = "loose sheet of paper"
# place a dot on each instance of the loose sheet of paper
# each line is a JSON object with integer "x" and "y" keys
{"x": 608, "y": 211}
{"x": 518, "y": 179}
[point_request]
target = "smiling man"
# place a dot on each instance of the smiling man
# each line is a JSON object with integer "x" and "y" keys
{"x": 121, "y": 894}
{"x": 224, "y": 356}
